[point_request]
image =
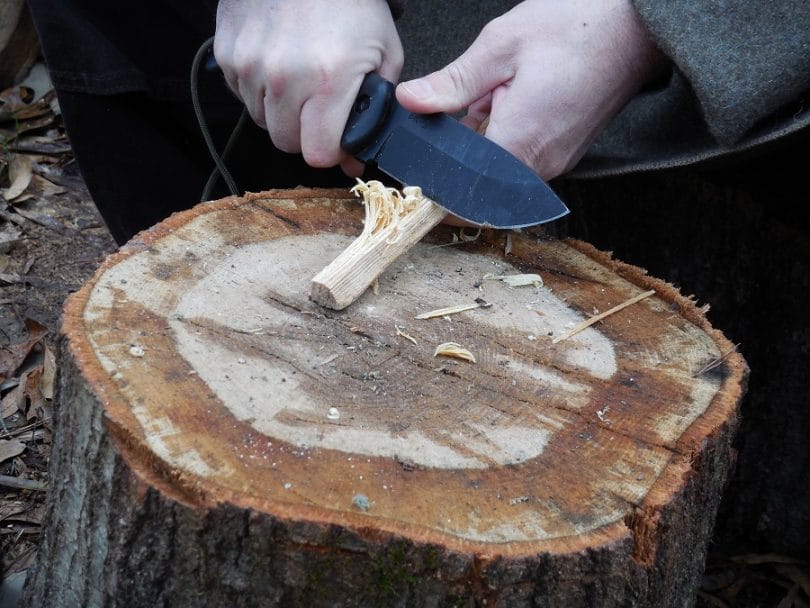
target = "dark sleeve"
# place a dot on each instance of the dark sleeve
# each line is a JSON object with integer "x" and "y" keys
{"x": 397, "y": 6}
{"x": 744, "y": 59}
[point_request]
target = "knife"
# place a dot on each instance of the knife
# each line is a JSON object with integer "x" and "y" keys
{"x": 468, "y": 175}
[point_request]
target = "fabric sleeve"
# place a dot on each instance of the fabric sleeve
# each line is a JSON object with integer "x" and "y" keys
{"x": 744, "y": 59}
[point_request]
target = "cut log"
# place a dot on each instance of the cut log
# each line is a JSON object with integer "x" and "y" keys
{"x": 222, "y": 440}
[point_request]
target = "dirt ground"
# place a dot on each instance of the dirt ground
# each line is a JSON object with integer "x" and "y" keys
{"x": 51, "y": 241}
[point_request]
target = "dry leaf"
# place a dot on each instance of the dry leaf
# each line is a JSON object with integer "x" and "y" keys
{"x": 36, "y": 402}
{"x": 12, "y": 356}
{"x": 12, "y": 402}
{"x": 46, "y": 187}
{"x": 456, "y": 351}
{"x": 12, "y": 134}
{"x": 14, "y": 99}
{"x": 9, "y": 448}
{"x": 20, "y": 172}
{"x": 48, "y": 374}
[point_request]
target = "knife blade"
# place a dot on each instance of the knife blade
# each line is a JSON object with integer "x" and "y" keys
{"x": 465, "y": 173}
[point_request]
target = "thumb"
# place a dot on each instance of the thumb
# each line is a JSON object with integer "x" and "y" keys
{"x": 456, "y": 86}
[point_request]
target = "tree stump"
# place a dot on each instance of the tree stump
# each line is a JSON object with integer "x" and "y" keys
{"x": 224, "y": 441}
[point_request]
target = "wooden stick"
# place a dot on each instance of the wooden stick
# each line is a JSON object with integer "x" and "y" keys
{"x": 351, "y": 273}
{"x": 22, "y": 484}
{"x": 595, "y": 319}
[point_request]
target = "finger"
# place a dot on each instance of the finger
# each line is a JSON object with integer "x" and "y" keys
{"x": 283, "y": 125}
{"x": 323, "y": 119}
{"x": 468, "y": 78}
{"x": 253, "y": 98}
{"x": 352, "y": 167}
{"x": 392, "y": 61}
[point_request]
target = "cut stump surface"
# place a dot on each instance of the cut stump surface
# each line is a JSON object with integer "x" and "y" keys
{"x": 585, "y": 472}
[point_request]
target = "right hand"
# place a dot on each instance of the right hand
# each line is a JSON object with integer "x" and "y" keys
{"x": 297, "y": 65}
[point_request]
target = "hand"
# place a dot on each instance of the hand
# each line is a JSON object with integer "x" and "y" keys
{"x": 297, "y": 66}
{"x": 548, "y": 74}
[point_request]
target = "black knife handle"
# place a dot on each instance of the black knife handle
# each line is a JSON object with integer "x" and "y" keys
{"x": 368, "y": 113}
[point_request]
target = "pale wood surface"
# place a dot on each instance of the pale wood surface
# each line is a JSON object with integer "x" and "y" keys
{"x": 220, "y": 382}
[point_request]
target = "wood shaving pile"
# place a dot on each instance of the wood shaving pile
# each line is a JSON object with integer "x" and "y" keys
{"x": 385, "y": 208}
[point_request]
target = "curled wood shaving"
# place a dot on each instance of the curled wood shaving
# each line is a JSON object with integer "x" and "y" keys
{"x": 450, "y": 310}
{"x": 595, "y": 319}
{"x": 451, "y": 349}
{"x": 385, "y": 208}
{"x": 517, "y": 280}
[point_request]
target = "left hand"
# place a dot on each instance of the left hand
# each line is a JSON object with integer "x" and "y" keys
{"x": 548, "y": 74}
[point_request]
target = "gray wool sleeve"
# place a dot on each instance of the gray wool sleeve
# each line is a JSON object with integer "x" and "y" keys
{"x": 744, "y": 59}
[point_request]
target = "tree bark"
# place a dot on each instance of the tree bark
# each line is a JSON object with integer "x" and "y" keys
{"x": 224, "y": 441}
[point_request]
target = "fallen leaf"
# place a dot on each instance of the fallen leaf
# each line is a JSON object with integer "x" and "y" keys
{"x": 20, "y": 173}
{"x": 48, "y": 374}
{"x": 10, "y": 279}
{"x": 13, "y": 401}
{"x": 9, "y": 448}
{"x": 14, "y": 99}
{"x": 12, "y": 356}
{"x": 46, "y": 187}
{"x": 36, "y": 401}
{"x": 25, "y": 126}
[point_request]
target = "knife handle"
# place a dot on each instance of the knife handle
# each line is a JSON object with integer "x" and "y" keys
{"x": 368, "y": 113}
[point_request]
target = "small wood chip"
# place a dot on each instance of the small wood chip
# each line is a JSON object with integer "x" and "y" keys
{"x": 461, "y": 238}
{"x": 456, "y": 351}
{"x": 450, "y": 310}
{"x": 328, "y": 360}
{"x": 588, "y": 322}
{"x": 715, "y": 362}
{"x": 518, "y": 280}
{"x": 402, "y": 334}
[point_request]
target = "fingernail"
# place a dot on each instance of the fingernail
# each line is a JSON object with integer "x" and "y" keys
{"x": 419, "y": 88}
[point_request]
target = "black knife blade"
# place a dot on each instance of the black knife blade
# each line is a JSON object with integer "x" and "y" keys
{"x": 470, "y": 176}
